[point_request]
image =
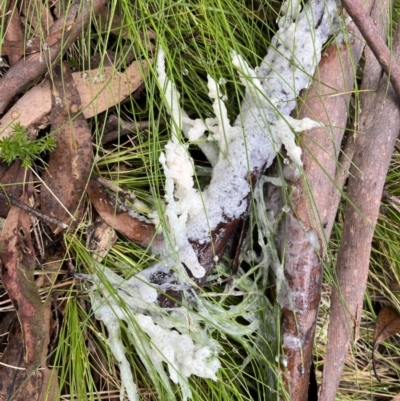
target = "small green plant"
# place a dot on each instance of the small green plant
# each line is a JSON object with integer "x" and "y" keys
{"x": 19, "y": 146}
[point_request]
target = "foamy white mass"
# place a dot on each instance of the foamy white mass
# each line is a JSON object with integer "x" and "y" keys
{"x": 264, "y": 124}
{"x": 248, "y": 144}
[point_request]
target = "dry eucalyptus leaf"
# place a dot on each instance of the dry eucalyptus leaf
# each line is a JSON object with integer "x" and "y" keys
{"x": 17, "y": 383}
{"x": 98, "y": 90}
{"x": 31, "y": 110}
{"x": 70, "y": 163}
{"x": 387, "y": 325}
{"x": 103, "y": 88}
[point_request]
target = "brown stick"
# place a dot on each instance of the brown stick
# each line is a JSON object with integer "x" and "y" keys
{"x": 47, "y": 219}
{"x": 380, "y": 126}
{"x": 371, "y": 76}
{"x": 326, "y": 101}
{"x": 35, "y": 65}
{"x": 374, "y": 41}
{"x": 126, "y": 128}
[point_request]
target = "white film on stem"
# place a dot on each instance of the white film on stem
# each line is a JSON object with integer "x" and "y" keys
{"x": 250, "y": 143}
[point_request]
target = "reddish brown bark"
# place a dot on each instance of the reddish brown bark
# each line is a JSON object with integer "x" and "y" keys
{"x": 379, "y": 128}
{"x": 372, "y": 74}
{"x": 309, "y": 222}
{"x": 374, "y": 40}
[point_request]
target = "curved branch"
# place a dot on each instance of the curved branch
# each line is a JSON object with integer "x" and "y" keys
{"x": 380, "y": 127}
{"x": 374, "y": 41}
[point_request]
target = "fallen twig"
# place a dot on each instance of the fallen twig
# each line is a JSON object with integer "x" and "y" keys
{"x": 312, "y": 211}
{"x": 374, "y": 41}
{"x": 379, "y": 126}
{"x": 126, "y": 128}
{"x": 372, "y": 74}
{"x": 47, "y": 219}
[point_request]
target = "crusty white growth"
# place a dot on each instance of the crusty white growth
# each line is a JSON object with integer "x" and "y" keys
{"x": 269, "y": 99}
{"x": 291, "y": 342}
{"x": 224, "y": 133}
{"x": 187, "y": 350}
{"x": 283, "y": 127}
{"x": 182, "y": 200}
{"x": 177, "y": 211}
{"x": 171, "y": 96}
{"x": 182, "y": 355}
{"x": 295, "y": 50}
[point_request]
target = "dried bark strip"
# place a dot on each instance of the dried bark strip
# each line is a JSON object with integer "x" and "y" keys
{"x": 71, "y": 162}
{"x": 372, "y": 74}
{"x": 374, "y": 41}
{"x": 380, "y": 127}
{"x": 31, "y": 67}
{"x": 326, "y": 101}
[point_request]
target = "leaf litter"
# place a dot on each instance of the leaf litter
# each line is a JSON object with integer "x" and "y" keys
{"x": 24, "y": 370}
{"x": 63, "y": 100}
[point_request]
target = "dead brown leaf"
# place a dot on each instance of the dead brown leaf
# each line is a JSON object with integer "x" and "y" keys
{"x": 387, "y": 325}
{"x": 17, "y": 257}
{"x": 70, "y": 164}
{"x": 11, "y": 184}
{"x": 101, "y": 237}
{"x": 14, "y": 30}
{"x": 98, "y": 91}
{"x": 16, "y": 382}
{"x": 77, "y": 16}
{"x": 31, "y": 111}
{"x": 101, "y": 89}
{"x": 24, "y": 373}
{"x": 138, "y": 231}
